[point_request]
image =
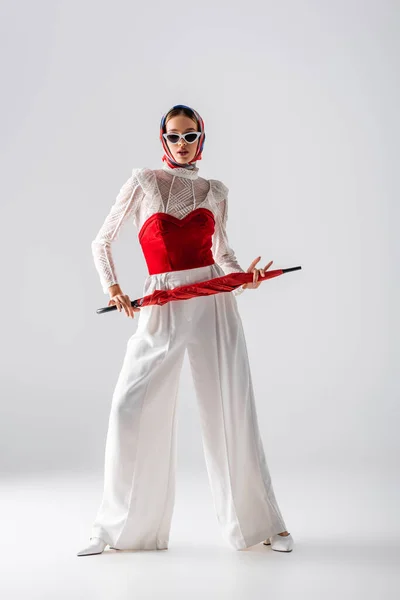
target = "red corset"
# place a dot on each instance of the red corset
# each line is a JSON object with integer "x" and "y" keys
{"x": 172, "y": 244}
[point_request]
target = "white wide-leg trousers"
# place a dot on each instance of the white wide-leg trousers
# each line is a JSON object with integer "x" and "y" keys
{"x": 140, "y": 456}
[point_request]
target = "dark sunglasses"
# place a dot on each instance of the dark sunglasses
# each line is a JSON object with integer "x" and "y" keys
{"x": 190, "y": 137}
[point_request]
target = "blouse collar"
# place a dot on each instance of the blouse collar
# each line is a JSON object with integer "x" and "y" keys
{"x": 181, "y": 171}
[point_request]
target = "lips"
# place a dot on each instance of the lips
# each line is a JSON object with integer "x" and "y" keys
{"x": 183, "y": 152}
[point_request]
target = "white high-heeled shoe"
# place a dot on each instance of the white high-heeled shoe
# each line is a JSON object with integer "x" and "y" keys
{"x": 280, "y": 543}
{"x": 96, "y": 546}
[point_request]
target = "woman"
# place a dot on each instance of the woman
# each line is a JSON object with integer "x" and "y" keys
{"x": 181, "y": 222}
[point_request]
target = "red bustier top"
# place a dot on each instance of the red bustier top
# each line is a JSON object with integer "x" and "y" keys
{"x": 172, "y": 244}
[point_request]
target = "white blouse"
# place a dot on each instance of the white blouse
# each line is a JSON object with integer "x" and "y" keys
{"x": 173, "y": 191}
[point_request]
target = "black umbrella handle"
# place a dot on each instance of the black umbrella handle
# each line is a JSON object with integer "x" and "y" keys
{"x": 134, "y": 303}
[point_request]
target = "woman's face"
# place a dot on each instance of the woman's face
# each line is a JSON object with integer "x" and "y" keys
{"x": 182, "y": 124}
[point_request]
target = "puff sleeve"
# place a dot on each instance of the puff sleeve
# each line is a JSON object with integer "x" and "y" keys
{"x": 223, "y": 254}
{"x": 121, "y": 211}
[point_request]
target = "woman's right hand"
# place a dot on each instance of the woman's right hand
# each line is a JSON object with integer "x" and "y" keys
{"x": 122, "y": 301}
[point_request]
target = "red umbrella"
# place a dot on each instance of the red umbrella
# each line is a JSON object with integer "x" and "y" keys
{"x": 226, "y": 283}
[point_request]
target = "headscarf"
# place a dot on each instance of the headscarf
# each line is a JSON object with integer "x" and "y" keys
{"x": 168, "y": 158}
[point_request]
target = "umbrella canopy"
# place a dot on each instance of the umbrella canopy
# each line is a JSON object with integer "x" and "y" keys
{"x": 226, "y": 283}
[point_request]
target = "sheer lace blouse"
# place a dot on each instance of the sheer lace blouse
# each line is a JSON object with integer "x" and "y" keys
{"x": 174, "y": 191}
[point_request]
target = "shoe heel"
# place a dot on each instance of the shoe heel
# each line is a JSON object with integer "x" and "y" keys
{"x": 267, "y": 542}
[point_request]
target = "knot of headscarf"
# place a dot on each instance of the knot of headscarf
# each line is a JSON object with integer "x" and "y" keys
{"x": 168, "y": 158}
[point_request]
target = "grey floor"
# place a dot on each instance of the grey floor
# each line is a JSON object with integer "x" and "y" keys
{"x": 345, "y": 532}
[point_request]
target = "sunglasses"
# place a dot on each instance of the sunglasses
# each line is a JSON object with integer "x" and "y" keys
{"x": 190, "y": 137}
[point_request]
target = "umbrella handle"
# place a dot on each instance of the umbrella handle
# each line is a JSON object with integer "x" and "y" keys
{"x": 104, "y": 309}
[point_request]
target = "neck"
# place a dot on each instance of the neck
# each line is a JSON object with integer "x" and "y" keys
{"x": 181, "y": 171}
{"x": 173, "y": 164}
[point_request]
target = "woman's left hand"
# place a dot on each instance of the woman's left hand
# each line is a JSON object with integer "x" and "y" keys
{"x": 257, "y": 274}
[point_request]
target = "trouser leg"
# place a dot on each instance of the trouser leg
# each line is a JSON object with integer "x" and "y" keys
{"x": 238, "y": 473}
{"x": 140, "y": 455}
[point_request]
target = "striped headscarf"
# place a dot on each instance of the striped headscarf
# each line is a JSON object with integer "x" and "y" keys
{"x": 168, "y": 158}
